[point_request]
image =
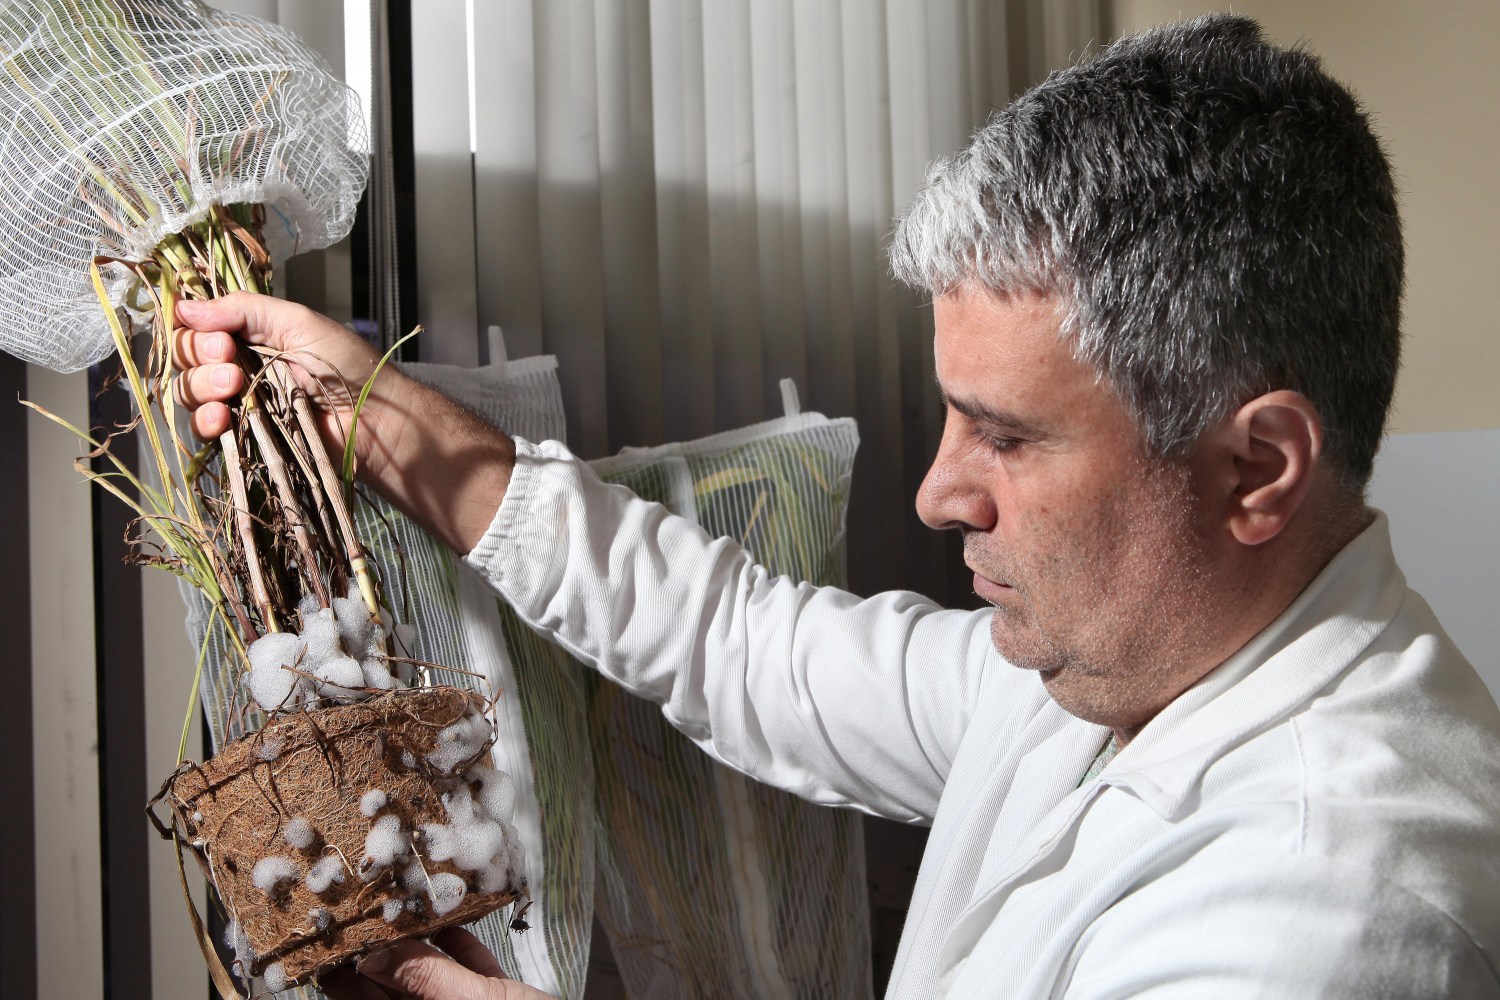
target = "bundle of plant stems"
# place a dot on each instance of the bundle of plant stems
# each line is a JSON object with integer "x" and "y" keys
{"x": 259, "y": 520}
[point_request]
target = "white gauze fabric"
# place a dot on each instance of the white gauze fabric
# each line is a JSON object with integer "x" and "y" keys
{"x": 123, "y": 121}
{"x": 712, "y": 884}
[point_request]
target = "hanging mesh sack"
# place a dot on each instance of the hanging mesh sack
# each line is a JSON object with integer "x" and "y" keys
{"x": 123, "y": 123}
{"x": 538, "y": 711}
{"x": 713, "y": 885}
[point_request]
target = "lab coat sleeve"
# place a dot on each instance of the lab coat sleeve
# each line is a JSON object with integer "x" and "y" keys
{"x": 837, "y": 699}
{"x": 1295, "y": 928}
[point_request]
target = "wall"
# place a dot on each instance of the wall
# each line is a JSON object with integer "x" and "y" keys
{"x": 1427, "y": 74}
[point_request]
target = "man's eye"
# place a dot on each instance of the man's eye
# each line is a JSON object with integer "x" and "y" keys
{"x": 999, "y": 443}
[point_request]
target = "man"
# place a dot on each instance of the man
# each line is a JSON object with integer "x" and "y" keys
{"x": 1206, "y": 744}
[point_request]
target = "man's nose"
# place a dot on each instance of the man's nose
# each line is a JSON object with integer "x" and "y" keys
{"x": 952, "y": 494}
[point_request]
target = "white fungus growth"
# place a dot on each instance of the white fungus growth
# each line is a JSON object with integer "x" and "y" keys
{"x": 299, "y": 833}
{"x": 270, "y": 748}
{"x": 239, "y": 942}
{"x": 408, "y": 759}
{"x": 497, "y": 792}
{"x": 271, "y": 684}
{"x": 372, "y": 802}
{"x": 385, "y": 843}
{"x": 338, "y": 656}
{"x": 271, "y": 871}
{"x": 356, "y": 627}
{"x": 324, "y": 874}
{"x": 460, "y": 742}
{"x": 274, "y": 976}
{"x": 376, "y": 675}
{"x": 391, "y": 910}
{"x": 446, "y": 891}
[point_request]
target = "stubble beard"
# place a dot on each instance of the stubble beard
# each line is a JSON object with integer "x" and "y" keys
{"x": 1114, "y": 655}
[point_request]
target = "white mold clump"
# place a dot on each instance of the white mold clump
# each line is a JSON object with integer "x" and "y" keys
{"x": 446, "y": 891}
{"x": 269, "y": 748}
{"x": 274, "y": 976}
{"x": 239, "y": 942}
{"x": 391, "y": 910}
{"x": 299, "y": 833}
{"x": 497, "y": 791}
{"x": 340, "y": 655}
{"x": 385, "y": 843}
{"x": 460, "y": 742}
{"x": 478, "y": 837}
{"x": 272, "y": 681}
{"x": 319, "y": 918}
{"x": 372, "y": 802}
{"x": 271, "y": 871}
{"x": 324, "y": 874}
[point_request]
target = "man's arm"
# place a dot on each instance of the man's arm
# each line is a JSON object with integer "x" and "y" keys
{"x": 439, "y": 464}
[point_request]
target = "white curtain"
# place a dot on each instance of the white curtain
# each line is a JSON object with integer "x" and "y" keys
{"x": 686, "y": 200}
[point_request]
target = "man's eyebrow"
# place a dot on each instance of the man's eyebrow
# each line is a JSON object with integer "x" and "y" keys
{"x": 991, "y": 416}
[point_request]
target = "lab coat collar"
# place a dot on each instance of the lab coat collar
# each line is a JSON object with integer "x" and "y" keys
{"x": 1305, "y": 649}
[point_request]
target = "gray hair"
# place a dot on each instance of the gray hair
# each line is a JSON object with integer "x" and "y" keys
{"x": 1216, "y": 217}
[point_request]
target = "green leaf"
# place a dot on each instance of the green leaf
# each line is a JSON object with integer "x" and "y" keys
{"x": 359, "y": 405}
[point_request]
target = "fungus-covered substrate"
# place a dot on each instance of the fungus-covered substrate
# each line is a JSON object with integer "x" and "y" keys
{"x": 414, "y": 835}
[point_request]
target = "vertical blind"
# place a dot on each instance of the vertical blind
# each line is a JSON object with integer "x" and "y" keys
{"x": 684, "y": 200}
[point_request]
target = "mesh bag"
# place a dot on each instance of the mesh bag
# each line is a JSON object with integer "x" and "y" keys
{"x": 539, "y": 711}
{"x": 124, "y": 121}
{"x": 713, "y": 885}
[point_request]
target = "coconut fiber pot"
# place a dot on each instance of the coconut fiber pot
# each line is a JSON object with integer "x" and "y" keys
{"x": 284, "y": 824}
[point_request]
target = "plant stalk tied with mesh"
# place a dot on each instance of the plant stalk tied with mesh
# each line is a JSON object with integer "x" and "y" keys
{"x": 153, "y": 151}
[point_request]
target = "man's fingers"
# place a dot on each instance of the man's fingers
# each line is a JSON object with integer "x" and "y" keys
{"x": 344, "y": 983}
{"x": 191, "y": 348}
{"x": 468, "y": 951}
{"x": 417, "y": 970}
{"x": 257, "y": 319}
{"x": 210, "y": 420}
{"x": 208, "y": 384}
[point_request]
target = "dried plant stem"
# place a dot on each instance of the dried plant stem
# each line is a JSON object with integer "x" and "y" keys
{"x": 245, "y": 526}
{"x": 334, "y": 488}
{"x": 270, "y": 454}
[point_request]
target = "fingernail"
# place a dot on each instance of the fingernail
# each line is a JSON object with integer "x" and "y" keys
{"x": 223, "y": 376}
{"x": 374, "y": 965}
{"x": 221, "y": 346}
{"x": 187, "y": 307}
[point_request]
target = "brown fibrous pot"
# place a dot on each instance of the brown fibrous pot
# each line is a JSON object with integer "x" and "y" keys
{"x": 233, "y": 811}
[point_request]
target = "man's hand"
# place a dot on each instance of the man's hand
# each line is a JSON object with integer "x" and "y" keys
{"x": 329, "y": 362}
{"x": 412, "y": 970}
{"x": 440, "y": 464}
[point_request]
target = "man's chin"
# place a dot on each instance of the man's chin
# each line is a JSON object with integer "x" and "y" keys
{"x": 1023, "y": 648}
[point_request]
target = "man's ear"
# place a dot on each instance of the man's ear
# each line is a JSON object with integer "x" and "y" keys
{"x": 1275, "y": 442}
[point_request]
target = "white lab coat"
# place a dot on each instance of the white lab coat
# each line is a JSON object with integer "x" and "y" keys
{"x": 1319, "y": 817}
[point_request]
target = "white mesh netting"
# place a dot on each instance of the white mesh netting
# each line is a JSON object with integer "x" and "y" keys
{"x": 123, "y": 121}
{"x": 712, "y": 885}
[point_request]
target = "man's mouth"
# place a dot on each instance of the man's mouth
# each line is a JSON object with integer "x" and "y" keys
{"x": 990, "y": 590}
